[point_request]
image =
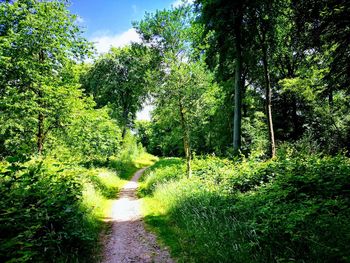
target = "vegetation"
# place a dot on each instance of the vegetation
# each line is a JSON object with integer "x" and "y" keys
{"x": 62, "y": 154}
{"x": 251, "y": 212}
{"x": 117, "y": 79}
{"x": 251, "y": 118}
{"x": 289, "y": 91}
{"x": 54, "y": 209}
{"x": 278, "y": 90}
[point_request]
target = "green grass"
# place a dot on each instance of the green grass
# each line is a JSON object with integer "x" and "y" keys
{"x": 126, "y": 167}
{"x": 285, "y": 210}
{"x": 55, "y": 212}
{"x": 102, "y": 187}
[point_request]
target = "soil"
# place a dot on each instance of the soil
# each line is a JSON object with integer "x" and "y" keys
{"x": 128, "y": 240}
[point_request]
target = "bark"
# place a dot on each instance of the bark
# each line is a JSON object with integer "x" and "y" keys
{"x": 186, "y": 140}
{"x": 296, "y": 129}
{"x": 244, "y": 104}
{"x": 123, "y": 132}
{"x": 237, "y": 118}
{"x": 272, "y": 150}
{"x": 126, "y": 120}
{"x": 41, "y": 117}
{"x": 40, "y": 135}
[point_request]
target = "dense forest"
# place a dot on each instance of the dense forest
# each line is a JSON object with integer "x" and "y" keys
{"x": 250, "y": 121}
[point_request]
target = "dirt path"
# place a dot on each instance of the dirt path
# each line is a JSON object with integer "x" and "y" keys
{"x": 128, "y": 240}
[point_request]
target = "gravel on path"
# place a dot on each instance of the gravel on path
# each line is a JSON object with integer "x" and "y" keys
{"x": 129, "y": 241}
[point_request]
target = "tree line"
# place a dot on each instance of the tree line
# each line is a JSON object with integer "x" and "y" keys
{"x": 228, "y": 78}
{"x": 272, "y": 72}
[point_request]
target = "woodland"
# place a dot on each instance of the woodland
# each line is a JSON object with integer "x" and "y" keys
{"x": 247, "y": 148}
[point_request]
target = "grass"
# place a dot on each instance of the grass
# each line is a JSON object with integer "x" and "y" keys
{"x": 284, "y": 210}
{"x": 99, "y": 190}
{"x": 54, "y": 212}
{"x": 158, "y": 221}
{"x": 102, "y": 187}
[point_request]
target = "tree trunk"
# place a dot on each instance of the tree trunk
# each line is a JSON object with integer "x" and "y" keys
{"x": 125, "y": 120}
{"x": 123, "y": 132}
{"x": 244, "y": 104}
{"x": 41, "y": 117}
{"x": 40, "y": 135}
{"x": 237, "y": 118}
{"x": 268, "y": 91}
{"x": 186, "y": 140}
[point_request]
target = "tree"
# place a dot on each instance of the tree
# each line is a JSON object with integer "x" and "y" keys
{"x": 39, "y": 41}
{"x": 182, "y": 81}
{"x": 324, "y": 27}
{"x": 118, "y": 79}
{"x": 264, "y": 34}
{"x": 217, "y": 18}
{"x": 262, "y": 19}
{"x": 185, "y": 89}
{"x": 241, "y": 38}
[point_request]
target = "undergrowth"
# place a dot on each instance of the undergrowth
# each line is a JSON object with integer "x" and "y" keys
{"x": 52, "y": 211}
{"x": 291, "y": 209}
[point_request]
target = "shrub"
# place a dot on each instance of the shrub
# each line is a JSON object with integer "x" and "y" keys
{"x": 282, "y": 210}
{"x": 51, "y": 212}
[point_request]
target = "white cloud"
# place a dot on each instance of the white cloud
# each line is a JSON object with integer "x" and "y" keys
{"x": 134, "y": 9}
{"x": 178, "y": 3}
{"x": 80, "y": 20}
{"x": 104, "y": 41}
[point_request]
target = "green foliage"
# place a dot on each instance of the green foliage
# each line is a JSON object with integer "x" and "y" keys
{"x": 64, "y": 155}
{"x": 251, "y": 211}
{"x": 254, "y": 136}
{"x": 41, "y": 215}
{"x": 118, "y": 79}
{"x": 326, "y": 123}
{"x": 91, "y": 135}
{"x": 166, "y": 170}
{"x": 131, "y": 157}
{"x": 39, "y": 43}
{"x": 54, "y": 211}
{"x": 52, "y": 204}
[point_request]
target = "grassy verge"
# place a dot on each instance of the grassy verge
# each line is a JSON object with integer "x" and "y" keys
{"x": 53, "y": 211}
{"x": 285, "y": 210}
{"x": 102, "y": 188}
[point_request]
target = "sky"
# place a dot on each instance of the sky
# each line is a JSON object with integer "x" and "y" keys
{"x": 109, "y": 23}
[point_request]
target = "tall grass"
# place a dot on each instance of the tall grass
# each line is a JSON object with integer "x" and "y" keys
{"x": 286, "y": 210}
{"x": 54, "y": 212}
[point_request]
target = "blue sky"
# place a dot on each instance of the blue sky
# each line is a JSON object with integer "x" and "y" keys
{"x": 108, "y": 22}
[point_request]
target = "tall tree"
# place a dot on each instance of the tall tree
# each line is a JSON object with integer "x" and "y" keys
{"x": 39, "y": 40}
{"x": 182, "y": 80}
{"x": 223, "y": 20}
{"x": 263, "y": 16}
{"x": 324, "y": 26}
{"x": 118, "y": 79}
{"x": 241, "y": 41}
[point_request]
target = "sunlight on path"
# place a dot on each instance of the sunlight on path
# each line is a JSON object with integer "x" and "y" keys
{"x": 128, "y": 240}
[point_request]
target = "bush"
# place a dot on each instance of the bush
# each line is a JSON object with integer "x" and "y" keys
{"x": 288, "y": 209}
{"x": 38, "y": 208}
{"x": 51, "y": 212}
{"x": 167, "y": 169}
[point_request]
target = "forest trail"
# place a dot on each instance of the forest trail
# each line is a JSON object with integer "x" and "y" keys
{"x": 128, "y": 240}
